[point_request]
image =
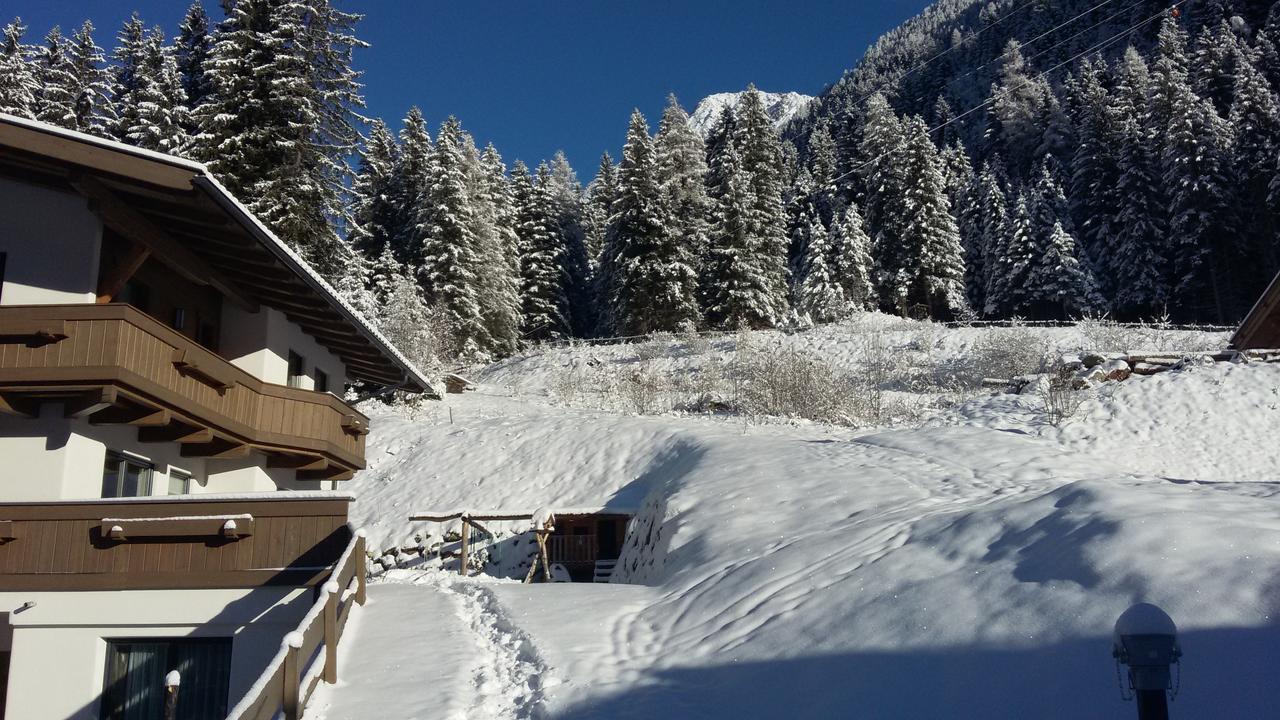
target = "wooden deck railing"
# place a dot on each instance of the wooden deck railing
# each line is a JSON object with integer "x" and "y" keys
{"x": 118, "y": 349}
{"x": 572, "y": 548}
{"x": 310, "y": 652}
{"x": 192, "y": 541}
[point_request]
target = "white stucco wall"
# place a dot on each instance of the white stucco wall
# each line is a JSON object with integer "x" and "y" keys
{"x": 52, "y": 242}
{"x": 259, "y": 343}
{"x": 59, "y": 645}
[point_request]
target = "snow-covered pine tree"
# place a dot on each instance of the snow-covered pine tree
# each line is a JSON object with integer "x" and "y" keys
{"x": 91, "y": 106}
{"x": 1065, "y": 287}
{"x": 1267, "y": 45}
{"x": 988, "y": 259}
{"x": 962, "y": 191}
{"x": 1021, "y": 104}
{"x": 450, "y": 257}
{"x": 1196, "y": 176}
{"x": 884, "y": 177}
{"x": 729, "y": 291}
{"x": 600, "y": 195}
{"x": 1010, "y": 263}
{"x": 383, "y": 273}
{"x": 823, "y": 162}
{"x": 933, "y": 277}
{"x": 802, "y": 215}
{"x": 766, "y": 218}
{"x": 192, "y": 50}
{"x": 1095, "y": 166}
{"x": 56, "y": 97}
{"x": 1216, "y": 51}
{"x": 499, "y": 267}
{"x": 568, "y": 202}
{"x": 411, "y": 325}
{"x": 654, "y": 281}
{"x": 544, "y": 304}
{"x": 819, "y": 296}
{"x": 682, "y": 176}
{"x": 278, "y": 125}
{"x": 374, "y": 212}
{"x": 126, "y": 75}
{"x": 851, "y": 261}
{"x": 354, "y": 286}
{"x": 1255, "y": 119}
{"x": 158, "y": 117}
{"x": 18, "y": 88}
{"x": 409, "y": 192}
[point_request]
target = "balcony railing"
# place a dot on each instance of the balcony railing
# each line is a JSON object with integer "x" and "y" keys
{"x": 115, "y": 364}
{"x": 572, "y": 548}
{"x": 188, "y": 542}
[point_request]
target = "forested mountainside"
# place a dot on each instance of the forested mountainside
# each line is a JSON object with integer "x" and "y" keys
{"x": 1032, "y": 159}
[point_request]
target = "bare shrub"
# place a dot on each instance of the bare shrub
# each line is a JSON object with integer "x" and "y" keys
{"x": 791, "y": 383}
{"x": 640, "y": 387}
{"x": 1009, "y": 352}
{"x": 696, "y": 343}
{"x": 1059, "y": 398}
{"x": 655, "y": 346}
{"x": 568, "y": 383}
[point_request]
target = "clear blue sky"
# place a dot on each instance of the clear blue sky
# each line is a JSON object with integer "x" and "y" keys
{"x": 535, "y": 76}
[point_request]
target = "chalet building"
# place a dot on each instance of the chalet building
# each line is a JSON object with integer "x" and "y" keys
{"x": 1260, "y": 329}
{"x": 172, "y": 432}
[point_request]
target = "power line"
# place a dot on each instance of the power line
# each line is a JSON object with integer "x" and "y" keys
{"x": 987, "y": 102}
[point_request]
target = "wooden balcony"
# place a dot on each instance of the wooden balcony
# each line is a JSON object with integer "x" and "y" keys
{"x": 113, "y": 364}
{"x": 278, "y": 539}
{"x": 572, "y": 548}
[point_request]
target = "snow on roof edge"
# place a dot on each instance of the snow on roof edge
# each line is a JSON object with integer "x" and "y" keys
{"x": 262, "y": 495}
{"x": 254, "y": 225}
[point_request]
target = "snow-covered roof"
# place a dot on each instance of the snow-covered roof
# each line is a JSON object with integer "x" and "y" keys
{"x": 202, "y": 179}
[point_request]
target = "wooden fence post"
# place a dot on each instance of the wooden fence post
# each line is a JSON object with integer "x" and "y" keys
{"x": 291, "y": 705}
{"x": 331, "y": 633}
{"x": 362, "y": 560}
{"x": 466, "y": 538}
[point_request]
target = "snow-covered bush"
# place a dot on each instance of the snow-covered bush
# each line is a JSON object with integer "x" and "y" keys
{"x": 785, "y": 382}
{"x": 1009, "y": 352}
{"x": 1059, "y": 396}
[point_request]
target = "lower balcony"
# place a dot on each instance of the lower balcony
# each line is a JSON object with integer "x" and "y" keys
{"x": 113, "y": 364}
{"x": 274, "y": 539}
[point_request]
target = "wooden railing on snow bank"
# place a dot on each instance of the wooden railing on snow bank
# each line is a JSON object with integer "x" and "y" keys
{"x": 292, "y": 675}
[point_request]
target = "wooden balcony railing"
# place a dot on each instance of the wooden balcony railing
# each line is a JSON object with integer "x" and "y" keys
{"x": 115, "y": 364}
{"x": 191, "y": 542}
{"x": 572, "y": 548}
{"x": 309, "y": 654}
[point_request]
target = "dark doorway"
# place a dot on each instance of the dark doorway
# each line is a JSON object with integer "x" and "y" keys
{"x": 607, "y": 539}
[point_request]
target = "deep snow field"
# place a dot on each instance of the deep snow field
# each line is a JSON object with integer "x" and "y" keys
{"x": 968, "y": 563}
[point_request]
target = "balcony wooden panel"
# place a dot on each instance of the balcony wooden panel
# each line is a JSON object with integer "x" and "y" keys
{"x": 121, "y": 347}
{"x": 62, "y": 545}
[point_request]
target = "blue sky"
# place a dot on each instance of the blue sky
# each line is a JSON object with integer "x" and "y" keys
{"x": 535, "y": 76}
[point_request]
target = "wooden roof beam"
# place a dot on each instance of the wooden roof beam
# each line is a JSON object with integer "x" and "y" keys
{"x": 132, "y": 224}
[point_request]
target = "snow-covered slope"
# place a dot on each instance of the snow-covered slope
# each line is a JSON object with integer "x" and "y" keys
{"x": 782, "y": 107}
{"x": 968, "y": 568}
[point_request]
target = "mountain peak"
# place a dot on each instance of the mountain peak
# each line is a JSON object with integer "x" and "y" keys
{"x": 781, "y": 107}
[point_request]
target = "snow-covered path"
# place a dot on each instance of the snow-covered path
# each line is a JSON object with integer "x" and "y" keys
{"x": 429, "y": 631}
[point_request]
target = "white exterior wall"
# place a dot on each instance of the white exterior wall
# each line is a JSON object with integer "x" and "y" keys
{"x": 64, "y": 636}
{"x": 259, "y": 343}
{"x": 52, "y": 242}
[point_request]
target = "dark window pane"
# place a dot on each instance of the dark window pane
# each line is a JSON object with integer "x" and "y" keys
{"x": 134, "y": 684}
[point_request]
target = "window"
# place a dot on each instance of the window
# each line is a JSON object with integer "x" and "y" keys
{"x": 125, "y": 476}
{"x": 322, "y": 381}
{"x": 2, "y": 259}
{"x": 207, "y": 336}
{"x": 179, "y": 318}
{"x": 179, "y": 482}
{"x": 137, "y": 295}
{"x": 297, "y": 369}
{"x": 134, "y": 685}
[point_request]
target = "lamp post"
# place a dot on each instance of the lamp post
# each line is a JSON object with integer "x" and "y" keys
{"x": 1146, "y": 641}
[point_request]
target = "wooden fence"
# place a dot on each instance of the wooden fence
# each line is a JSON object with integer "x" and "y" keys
{"x": 572, "y": 548}
{"x": 309, "y": 653}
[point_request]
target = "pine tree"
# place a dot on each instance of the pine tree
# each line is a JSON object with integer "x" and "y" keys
{"x": 126, "y": 74}
{"x": 819, "y": 295}
{"x": 409, "y": 189}
{"x": 600, "y": 196}
{"x": 989, "y": 263}
{"x": 192, "y": 52}
{"x": 1255, "y": 119}
{"x": 1021, "y": 106}
{"x": 498, "y": 283}
{"x": 18, "y": 88}
{"x": 1010, "y": 270}
{"x": 410, "y": 325}
{"x": 450, "y": 255}
{"x": 682, "y": 175}
{"x": 1095, "y": 166}
{"x": 933, "y": 276}
{"x": 823, "y": 162}
{"x": 159, "y": 116}
{"x": 56, "y": 100}
{"x": 962, "y": 192}
{"x": 277, "y": 127}
{"x": 1061, "y": 281}
{"x": 568, "y": 201}
{"x": 544, "y": 303}
{"x": 851, "y": 261}
{"x": 731, "y": 295}
{"x": 654, "y": 280}
{"x": 802, "y": 216}
{"x": 375, "y": 211}
{"x": 884, "y": 177}
{"x": 1215, "y": 65}
{"x": 91, "y": 108}
{"x": 766, "y": 219}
